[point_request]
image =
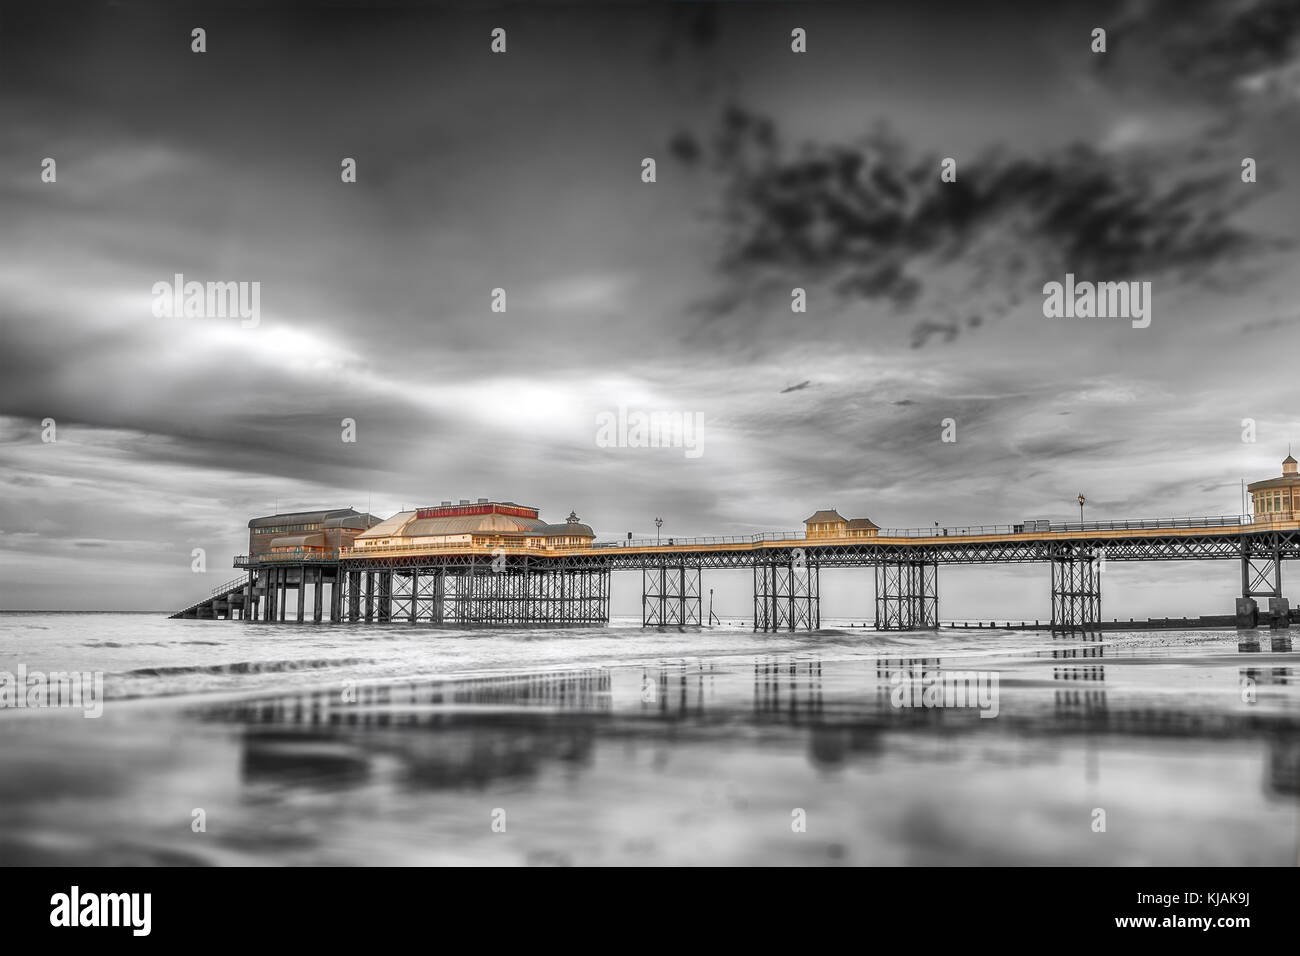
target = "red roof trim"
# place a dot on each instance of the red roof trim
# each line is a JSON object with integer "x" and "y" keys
{"x": 460, "y": 511}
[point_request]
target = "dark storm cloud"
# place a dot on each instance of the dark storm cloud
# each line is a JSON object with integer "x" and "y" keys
{"x": 1208, "y": 46}
{"x": 873, "y": 221}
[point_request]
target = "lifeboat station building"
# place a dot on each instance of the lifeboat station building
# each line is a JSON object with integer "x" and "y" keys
{"x": 311, "y": 533}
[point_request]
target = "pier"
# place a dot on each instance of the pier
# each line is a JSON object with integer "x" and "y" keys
{"x": 497, "y": 563}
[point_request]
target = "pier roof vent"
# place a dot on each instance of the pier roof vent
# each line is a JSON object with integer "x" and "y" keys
{"x": 1288, "y": 465}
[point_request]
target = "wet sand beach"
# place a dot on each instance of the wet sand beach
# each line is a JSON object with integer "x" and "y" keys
{"x": 1138, "y": 749}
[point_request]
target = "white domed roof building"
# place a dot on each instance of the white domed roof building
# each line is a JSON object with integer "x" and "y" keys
{"x": 483, "y": 524}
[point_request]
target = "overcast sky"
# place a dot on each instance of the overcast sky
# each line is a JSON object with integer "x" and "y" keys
{"x": 522, "y": 171}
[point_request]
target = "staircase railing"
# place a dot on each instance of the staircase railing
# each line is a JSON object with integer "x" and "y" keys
{"x": 227, "y": 587}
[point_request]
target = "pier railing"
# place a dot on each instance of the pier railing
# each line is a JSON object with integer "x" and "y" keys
{"x": 798, "y": 538}
{"x": 1066, "y": 527}
{"x": 458, "y": 548}
{"x": 709, "y": 539}
{"x": 228, "y": 586}
{"x": 1027, "y": 527}
{"x": 296, "y": 556}
{"x": 218, "y": 591}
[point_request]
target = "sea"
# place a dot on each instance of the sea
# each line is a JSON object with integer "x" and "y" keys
{"x": 216, "y": 743}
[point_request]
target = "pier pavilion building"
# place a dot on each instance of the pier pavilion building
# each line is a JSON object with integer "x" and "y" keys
{"x": 1277, "y": 498}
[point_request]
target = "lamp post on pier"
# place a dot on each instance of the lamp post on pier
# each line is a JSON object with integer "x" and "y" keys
{"x": 659, "y": 523}
{"x": 1082, "y": 499}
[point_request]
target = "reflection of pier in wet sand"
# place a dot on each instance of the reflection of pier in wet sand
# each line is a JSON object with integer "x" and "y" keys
{"x": 689, "y": 760}
{"x": 470, "y": 731}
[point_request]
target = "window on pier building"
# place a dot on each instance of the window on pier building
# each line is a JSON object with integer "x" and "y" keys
{"x": 1278, "y": 495}
{"x": 1273, "y": 502}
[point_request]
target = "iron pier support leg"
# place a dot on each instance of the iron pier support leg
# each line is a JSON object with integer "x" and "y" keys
{"x": 317, "y": 604}
{"x": 457, "y": 581}
{"x": 649, "y": 590}
{"x": 385, "y": 596}
{"x": 439, "y": 595}
{"x": 564, "y": 597}
{"x": 1076, "y": 591}
{"x": 336, "y": 596}
{"x": 354, "y": 596}
{"x": 302, "y": 592}
{"x": 602, "y": 595}
{"x": 766, "y": 601}
{"x": 670, "y": 596}
{"x": 1278, "y": 610}
{"x": 415, "y": 595}
{"x": 681, "y": 593}
{"x": 773, "y": 599}
{"x": 1247, "y": 606}
{"x": 816, "y": 592}
{"x": 692, "y": 598}
{"x": 282, "y": 601}
{"x": 907, "y": 595}
{"x": 1261, "y": 577}
{"x": 607, "y": 577}
{"x": 528, "y": 591}
{"x": 370, "y": 596}
{"x": 787, "y": 595}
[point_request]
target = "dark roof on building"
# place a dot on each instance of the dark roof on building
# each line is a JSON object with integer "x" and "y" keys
{"x": 300, "y": 517}
{"x": 863, "y": 524}
{"x": 1286, "y": 481}
{"x": 1288, "y": 460}
{"x": 357, "y": 520}
{"x": 570, "y": 528}
{"x": 823, "y": 516}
